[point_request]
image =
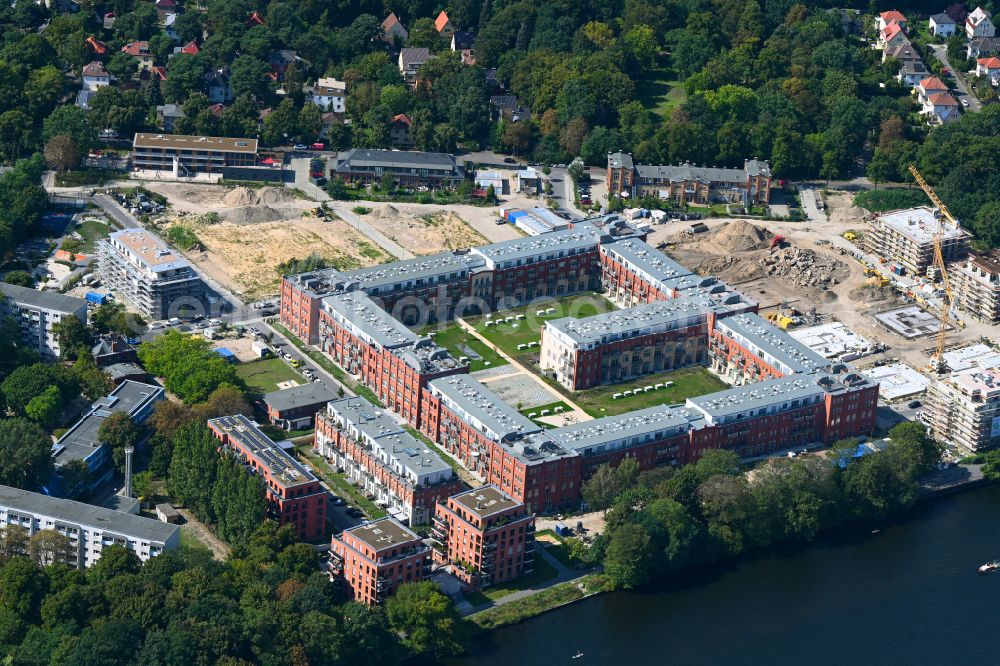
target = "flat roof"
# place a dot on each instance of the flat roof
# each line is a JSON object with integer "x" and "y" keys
{"x": 149, "y": 249}
{"x": 434, "y": 265}
{"x": 645, "y": 319}
{"x": 97, "y": 517}
{"x": 649, "y": 262}
{"x": 189, "y": 142}
{"x": 758, "y": 395}
{"x": 832, "y": 340}
{"x": 897, "y": 380}
{"x": 978, "y": 355}
{"x": 279, "y": 462}
{"x": 977, "y": 381}
{"x": 394, "y": 158}
{"x": 919, "y": 225}
{"x": 45, "y": 300}
{"x": 367, "y": 318}
{"x": 581, "y": 238}
{"x": 299, "y": 396}
{"x": 365, "y": 416}
{"x": 486, "y": 501}
{"x": 789, "y": 355}
{"x": 383, "y": 533}
{"x": 81, "y": 440}
{"x": 656, "y": 419}
{"x": 689, "y": 172}
{"x": 486, "y": 409}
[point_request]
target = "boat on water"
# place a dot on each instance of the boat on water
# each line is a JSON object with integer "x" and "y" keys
{"x": 989, "y": 567}
{"x": 577, "y": 655}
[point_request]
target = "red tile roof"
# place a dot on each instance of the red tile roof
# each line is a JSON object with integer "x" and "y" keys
{"x": 97, "y": 46}
{"x": 191, "y": 48}
{"x": 942, "y": 99}
{"x": 160, "y": 72}
{"x": 255, "y": 19}
{"x": 137, "y": 49}
{"x": 390, "y": 21}
{"x": 990, "y": 63}
{"x": 891, "y": 30}
{"x": 95, "y": 69}
{"x": 892, "y": 15}
{"x": 401, "y": 118}
{"x": 441, "y": 21}
{"x": 933, "y": 83}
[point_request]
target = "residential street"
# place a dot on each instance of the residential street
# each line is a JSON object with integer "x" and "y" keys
{"x": 941, "y": 53}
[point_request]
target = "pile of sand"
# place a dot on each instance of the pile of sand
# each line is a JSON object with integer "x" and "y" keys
{"x": 247, "y": 196}
{"x": 258, "y": 215}
{"x": 740, "y": 236}
{"x": 387, "y": 211}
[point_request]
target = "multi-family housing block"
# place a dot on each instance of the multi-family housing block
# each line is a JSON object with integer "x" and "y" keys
{"x": 976, "y": 287}
{"x": 373, "y": 559}
{"x": 488, "y": 536}
{"x": 36, "y": 314}
{"x": 89, "y": 529}
{"x": 907, "y": 237}
{"x": 180, "y": 155}
{"x": 407, "y": 168}
{"x": 785, "y": 395}
{"x": 294, "y": 494}
{"x": 145, "y": 273}
{"x": 687, "y": 183}
{"x": 390, "y": 464}
{"x": 963, "y": 408}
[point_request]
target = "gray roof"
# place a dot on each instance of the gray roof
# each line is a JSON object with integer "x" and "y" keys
{"x": 81, "y": 440}
{"x": 126, "y": 369}
{"x": 433, "y": 268}
{"x": 943, "y": 19}
{"x": 645, "y": 319}
{"x": 170, "y": 111}
{"x": 486, "y": 501}
{"x": 584, "y": 237}
{"x": 903, "y": 52}
{"x": 413, "y": 56}
{"x": 365, "y": 416}
{"x": 88, "y": 515}
{"x": 383, "y": 533}
{"x": 913, "y": 67}
{"x": 463, "y": 40}
{"x": 772, "y": 395}
{"x": 661, "y": 421}
{"x": 483, "y": 408}
{"x": 299, "y": 396}
{"x": 396, "y": 159}
{"x": 279, "y": 462}
{"x": 985, "y": 45}
{"x": 646, "y": 260}
{"x": 46, "y": 300}
{"x": 689, "y": 172}
{"x": 365, "y": 317}
{"x": 770, "y": 343}
{"x": 620, "y": 160}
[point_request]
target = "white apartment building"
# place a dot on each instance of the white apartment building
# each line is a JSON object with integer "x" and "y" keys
{"x": 142, "y": 271}
{"x": 964, "y": 408}
{"x": 90, "y": 529}
{"x": 329, "y": 94}
{"x": 36, "y": 312}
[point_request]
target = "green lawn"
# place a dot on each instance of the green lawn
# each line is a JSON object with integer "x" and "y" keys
{"x": 508, "y": 335}
{"x": 458, "y": 342}
{"x": 688, "y": 383}
{"x": 543, "y": 572}
{"x": 190, "y": 542}
{"x": 661, "y": 91}
{"x": 879, "y": 201}
{"x": 263, "y": 376}
{"x": 91, "y": 231}
{"x": 551, "y": 406}
{"x": 559, "y": 550}
{"x": 338, "y": 481}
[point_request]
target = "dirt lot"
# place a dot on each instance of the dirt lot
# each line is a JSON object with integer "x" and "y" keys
{"x": 426, "y": 231}
{"x": 244, "y": 233}
{"x": 478, "y": 220}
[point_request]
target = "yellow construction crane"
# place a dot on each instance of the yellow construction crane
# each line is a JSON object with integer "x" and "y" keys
{"x": 937, "y": 362}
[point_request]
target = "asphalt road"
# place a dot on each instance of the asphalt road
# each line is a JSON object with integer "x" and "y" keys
{"x": 941, "y": 53}
{"x": 119, "y": 214}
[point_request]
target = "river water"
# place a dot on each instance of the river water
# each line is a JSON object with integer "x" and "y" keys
{"x": 907, "y": 595}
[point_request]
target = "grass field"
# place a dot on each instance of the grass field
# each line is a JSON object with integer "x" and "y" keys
{"x": 543, "y": 572}
{"x": 455, "y": 339}
{"x": 879, "y": 201}
{"x": 557, "y": 548}
{"x": 263, "y": 376}
{"x": 688, "y": 383}
{"x": 91, "y": 231}
{"x": 508, "y": 335}
{"x": 661, "y": 92}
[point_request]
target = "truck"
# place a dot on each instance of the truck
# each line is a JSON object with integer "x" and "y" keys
{"x": 96, "y": 298}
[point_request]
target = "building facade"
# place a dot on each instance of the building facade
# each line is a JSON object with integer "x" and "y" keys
{"x": 294, "y": 494}
{"x": 37, "y": 313}
{"x": 363, "y": 166}
{"x": 976, "y": 286}
{"x": 295, "y": 408}
{"x": 907, "y": 238}
{"x": 689, "y": 184}
{"x": 964, "y": 408}
{"x": 398, "y": 470}
{"x": 151, "y": 278}
{"x": 372, "y": 560}
{"x": 90, "y": 529}
{"x": 181, "y": 156}
{"x": 486, "y": 535}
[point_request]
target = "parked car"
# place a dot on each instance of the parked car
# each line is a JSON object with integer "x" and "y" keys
{"x": 965, "y": 103}
{"x": 509, "y": 160}
{"x": 317, "y": 145}
{"x": 299, "y": 146}
{"x": 913, "y": 404}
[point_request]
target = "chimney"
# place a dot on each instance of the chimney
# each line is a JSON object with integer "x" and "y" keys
{"x": 127, "y": 489}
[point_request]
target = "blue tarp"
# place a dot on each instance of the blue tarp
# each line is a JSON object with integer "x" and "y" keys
{"x": 226, "y": 354}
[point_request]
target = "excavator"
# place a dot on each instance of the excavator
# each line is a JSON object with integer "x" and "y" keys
{"x": 944, "y": 313}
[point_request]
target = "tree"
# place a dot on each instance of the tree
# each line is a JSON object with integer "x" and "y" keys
{"x": 118, "y": 432}
{"x": 13, "y": 543}
{"x": 43, "y": 89}
{"x": 94, "y": 382}
{"x": 75, "y": 480}
{"x": 72, "y": 335}
{"x": 310, "y": 123}
{"x": 17, "y": 134}
{"x": 19, "y": 278}
{"x": 881, "y": 168}
{"x": 45, "y": 409}
{"x": 426, "y": 619}
{"x": 248, "y": 76}
{"x": 629, "y": 556}
{"x": 520, "y": 137}
{"x": 22, "y": 586}
{"x": 29, "y": 381}
{"x": 115, "y": 561}
{"x": 576, "y": 171}
{"x": 281, "y": 124}
{"x": 62, "y": 152}
{"x": 113, "y": 318}
{"x": 572, "y": 136}
{"x": 49, "y": 547}
{"x": 71, "y": 121}
{"x": 187, "y": 75}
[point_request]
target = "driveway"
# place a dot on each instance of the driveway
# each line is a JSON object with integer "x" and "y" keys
{"x": 809, "y": 198}
{"x": 941, "y": 53}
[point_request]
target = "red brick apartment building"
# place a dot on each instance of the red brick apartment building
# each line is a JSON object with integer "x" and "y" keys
{"x": 687, "y": 183}
{"x": 294, "y": 495}
{"x": 500, "y": 444}
{"x": 372, "y": 560}
{"x": 392, "y": 466}
{"x": 487, "y": 535}
{"x": 382, "y": 353}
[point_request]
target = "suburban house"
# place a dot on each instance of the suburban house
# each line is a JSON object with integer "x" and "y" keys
{"x": 165, "y": 8}
{"x": 850, "y": 20}
{"x": 393, "y": 30}
{"x": 912, "y": 72}
{"x": 109, "y": 20}
{"x": 140, "y": 51}
{"x": 461, "y": 42}
{"x": 527, "y": 181}
{"x": 903, "y": 53}
{"x": 95, "y": 76}
{"x": 979, "y": 24}
{"x": 892, "y": 16}
{"x": 220, "y": 91}
{"x": 409, "y": 169}
{"x": 982, "y": 46}
{"x": 399, "y": 130}
{"x": 191, "y": 48}
{"x": 941, "y": 107}
{"x": 280, "y": 61}
{"x": 329, "y": 94}
{"x": 410, "y": 62}
{"x": 932, "y": 85}
{"x": 443, "y": 25}
{"x": 687, "y": 183}
{"x": 254, "y": 19}
{"x": 507, "y": 107}
{"x": 990, "y": 68}
{"x": 892, "y": 35}
{"x": 942, "y": 25}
